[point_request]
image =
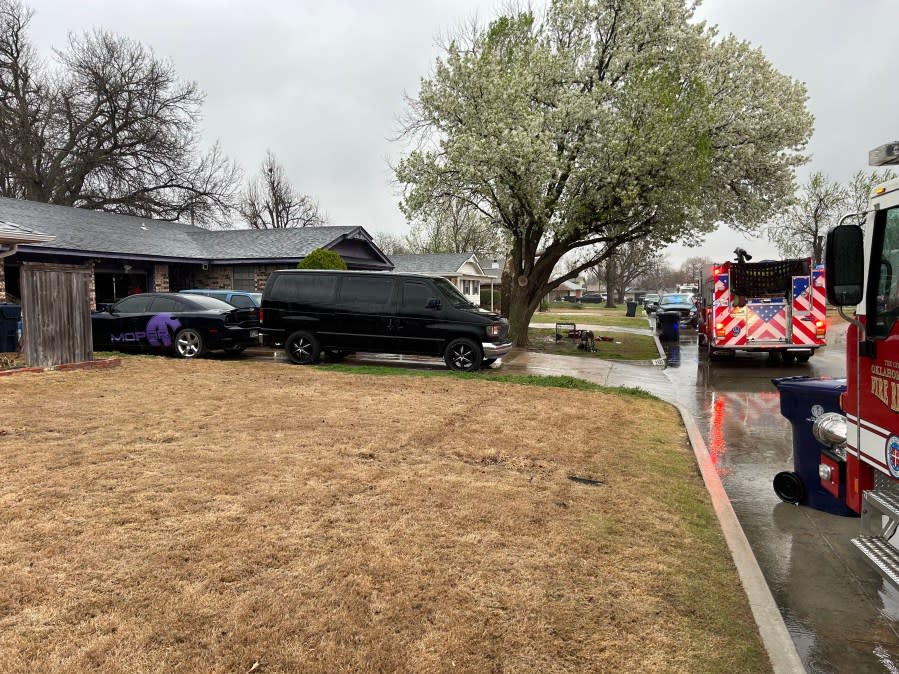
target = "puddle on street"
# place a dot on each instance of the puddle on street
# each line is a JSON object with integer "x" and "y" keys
{"x": 840, "y": 613}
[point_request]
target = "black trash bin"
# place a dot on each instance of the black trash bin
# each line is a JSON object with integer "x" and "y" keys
{"x": 10, "y": 318}
{"x": 631, "y": 308}
{"x": 802, "y": 400}
{"x": 669, "y": 325}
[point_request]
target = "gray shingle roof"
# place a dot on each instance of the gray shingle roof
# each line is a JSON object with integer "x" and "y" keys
{"x": 490, "y": 270}
{"x": 266, "y": 244}
{"x": 437, "y": 263}
{"x": 79, "y": 229}
{"x": 13, "y": 233}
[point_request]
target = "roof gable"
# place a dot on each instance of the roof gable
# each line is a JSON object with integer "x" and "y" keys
{"x": 436, "y": 263}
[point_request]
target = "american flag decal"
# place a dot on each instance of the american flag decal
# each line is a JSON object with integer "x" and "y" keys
{"x": 767, "y": 322}
{"x": 734, "y": 334}
{"x": 802, "y": 300}
{"x": 808, "y": 307}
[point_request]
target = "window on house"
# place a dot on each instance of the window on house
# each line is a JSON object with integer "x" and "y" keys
{"x": 243, "y": 278}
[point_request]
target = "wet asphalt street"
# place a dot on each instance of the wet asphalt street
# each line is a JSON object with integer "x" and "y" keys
{"x": 841, "y": 614}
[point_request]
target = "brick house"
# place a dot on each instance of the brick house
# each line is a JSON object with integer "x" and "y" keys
{"x": 127, "y": 253}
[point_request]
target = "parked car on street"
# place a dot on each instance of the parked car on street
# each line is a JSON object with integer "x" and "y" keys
{"x": 682, "y": 304}
{"x": 239, "y": 298}
{"x": 592, "y": 298}
{"x": 236, "y": 298}
{"x": 312, "y": 312}
{"x": 651, "y": 302}
{"x": 186, "y": 325}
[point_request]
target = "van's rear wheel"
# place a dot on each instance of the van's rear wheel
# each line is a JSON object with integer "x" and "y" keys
{"x": 302, "y": 348}
{"x": 463, "y": 355}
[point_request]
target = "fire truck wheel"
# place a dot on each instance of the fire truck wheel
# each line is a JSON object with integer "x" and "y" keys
{"x": 789, "y": 487}
{"x": 803, "y": 357}
{"x": 788, "y": 357}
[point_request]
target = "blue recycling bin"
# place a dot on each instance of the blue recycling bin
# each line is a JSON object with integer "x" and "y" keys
{"x": 802, "y": 400}
{"x": 669, "y": 325}
{"x": 10, "y": 319}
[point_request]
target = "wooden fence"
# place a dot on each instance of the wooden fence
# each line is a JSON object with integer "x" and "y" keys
{"x": 56, "y": 314}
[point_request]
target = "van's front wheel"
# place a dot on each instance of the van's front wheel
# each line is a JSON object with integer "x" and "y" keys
{"x": 463, "y": 355}
{"x": 302, "y": 348}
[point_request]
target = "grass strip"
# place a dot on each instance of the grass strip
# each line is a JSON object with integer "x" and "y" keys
{"x": 550, "y": 381}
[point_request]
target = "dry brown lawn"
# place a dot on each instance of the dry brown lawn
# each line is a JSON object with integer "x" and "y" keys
{"x": 173, "y": 516}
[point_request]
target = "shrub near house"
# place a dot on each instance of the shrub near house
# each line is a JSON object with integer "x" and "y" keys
{"x": 322, "y": 259}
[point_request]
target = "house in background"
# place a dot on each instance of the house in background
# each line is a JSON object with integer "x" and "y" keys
{"x": 128, "y": 254}
{"x": 568, "y": 290}
{"x": 461, "y": 269}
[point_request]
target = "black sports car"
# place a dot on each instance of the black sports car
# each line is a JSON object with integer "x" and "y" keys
{"x": 188, "y": 325}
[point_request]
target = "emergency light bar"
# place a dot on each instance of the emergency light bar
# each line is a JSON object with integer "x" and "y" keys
{"x": 885, "y": 154}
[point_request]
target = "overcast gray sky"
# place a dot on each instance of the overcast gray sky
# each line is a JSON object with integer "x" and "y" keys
{"x": 321, "y": 83}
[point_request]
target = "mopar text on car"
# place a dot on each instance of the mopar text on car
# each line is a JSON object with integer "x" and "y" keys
{"x": 312, "y": 312}
{"x": 187, "y": 326}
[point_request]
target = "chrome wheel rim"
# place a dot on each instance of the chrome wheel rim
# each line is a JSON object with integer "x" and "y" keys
{"x": 188, "y": 344}
{"x": 462, "y": 357}
{"x": 301, "y": 349}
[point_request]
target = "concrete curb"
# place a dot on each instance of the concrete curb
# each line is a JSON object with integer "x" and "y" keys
{"x": 775, "y": 636}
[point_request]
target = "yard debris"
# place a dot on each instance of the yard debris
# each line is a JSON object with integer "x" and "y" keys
{"x": 585, "y": 480}
{"x": 254, "y": 668}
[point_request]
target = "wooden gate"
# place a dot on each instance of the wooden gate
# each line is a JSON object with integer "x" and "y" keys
{"x": 56, "y": 314}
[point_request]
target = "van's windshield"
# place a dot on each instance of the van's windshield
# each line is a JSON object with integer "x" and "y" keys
{"x": 452, "y": 293}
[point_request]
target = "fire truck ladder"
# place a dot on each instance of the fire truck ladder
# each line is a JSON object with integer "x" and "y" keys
{"x": 880, "y": 520}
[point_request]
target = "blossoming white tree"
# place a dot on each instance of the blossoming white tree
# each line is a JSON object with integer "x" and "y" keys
{"x": 599, "y": 123}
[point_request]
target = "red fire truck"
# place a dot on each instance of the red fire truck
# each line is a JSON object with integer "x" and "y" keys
{"x": 862, "y": 259}
{"x": 773, "y": 306}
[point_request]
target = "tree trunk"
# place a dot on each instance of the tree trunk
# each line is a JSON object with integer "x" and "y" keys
{"x": 520, "y": 313}
{"x": 610, "y": 281}
{"x": 505, "y": 286}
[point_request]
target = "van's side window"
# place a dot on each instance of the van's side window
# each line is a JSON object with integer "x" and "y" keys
{"x": 365, "y": 293}
{"x": 416, "y": 296}
{"x": 311, "y": 289}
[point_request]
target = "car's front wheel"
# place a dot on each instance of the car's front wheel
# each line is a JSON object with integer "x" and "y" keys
{"x": 189, "y": 343}
{"x": 302, "y": 348}
{"x": 463, "y": 355}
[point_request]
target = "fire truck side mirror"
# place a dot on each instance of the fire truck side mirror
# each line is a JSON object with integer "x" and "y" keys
{"x": 844, "y": 269}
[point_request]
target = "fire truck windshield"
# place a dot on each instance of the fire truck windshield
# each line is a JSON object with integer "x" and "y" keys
{"x": 883, "y": 309}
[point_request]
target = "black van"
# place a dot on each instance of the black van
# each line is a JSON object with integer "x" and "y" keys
{"x": 339, "y": 312}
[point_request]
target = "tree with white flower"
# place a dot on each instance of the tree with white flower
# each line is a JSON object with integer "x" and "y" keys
{"x": 599, "y": 123}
